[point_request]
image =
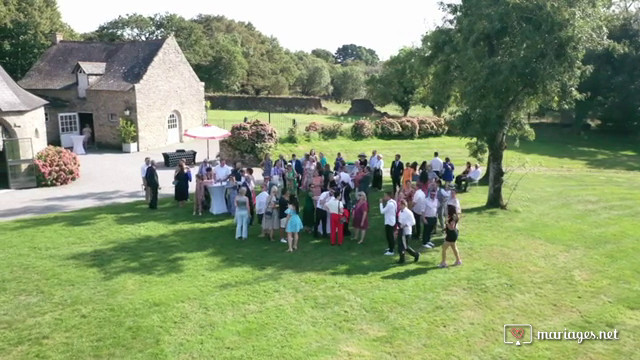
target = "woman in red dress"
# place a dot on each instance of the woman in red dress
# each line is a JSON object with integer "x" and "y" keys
{"x": 361, "y": 217}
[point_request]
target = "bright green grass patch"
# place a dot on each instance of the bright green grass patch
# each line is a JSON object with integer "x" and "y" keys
{"x": 121, "y": 281}
{"x": 283, "y": 121}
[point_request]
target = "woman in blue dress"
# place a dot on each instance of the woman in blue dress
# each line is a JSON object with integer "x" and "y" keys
{"x": 294, "y": 224}
{"x": 448, "y": 172}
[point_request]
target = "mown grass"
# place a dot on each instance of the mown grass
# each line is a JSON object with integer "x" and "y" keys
{"x": 283, "y": 121}
{"x": 120, "y": 281}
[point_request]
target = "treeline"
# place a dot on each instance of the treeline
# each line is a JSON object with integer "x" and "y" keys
{"x": 229, "y": 56}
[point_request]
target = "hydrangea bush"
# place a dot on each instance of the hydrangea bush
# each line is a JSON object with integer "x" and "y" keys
{"x": 313, "y": 127}
{"x": 249, "y": 142}
{"x": 56, "y": 166}
{"x": 409, "y": 128}
{"x": 332, "y": 131}
{"x": 431, "y": 126}
{"x": 362, "y": 129}
{"x": 387, "y": 128}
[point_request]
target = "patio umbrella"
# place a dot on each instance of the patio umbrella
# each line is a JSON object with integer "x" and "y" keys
{"x": 209, "y": 132}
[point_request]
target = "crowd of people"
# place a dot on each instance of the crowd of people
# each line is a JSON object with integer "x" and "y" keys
{"x": 423, "y": 199}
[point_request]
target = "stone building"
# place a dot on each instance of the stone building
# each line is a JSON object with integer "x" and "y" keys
{"x": 97, "y": 83}
{"x": 21, "y": 119}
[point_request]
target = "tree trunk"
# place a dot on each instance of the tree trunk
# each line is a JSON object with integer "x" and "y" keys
{"x": 406, "y": 110}
{"x": 497, "y": 145}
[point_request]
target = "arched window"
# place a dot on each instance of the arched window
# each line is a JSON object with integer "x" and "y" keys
{"x": 172, "y": 121}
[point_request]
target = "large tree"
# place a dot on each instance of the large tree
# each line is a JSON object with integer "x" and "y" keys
{"x": 348, "y": 83}
{"x": 399, "y": 81}
{"x": 314, "y": 78}
{"x": 510, "y": 56}
{"x": 26, "y": 29}
{"x": 352, "y": 52}
{"x": 323, "y": 54}
{"x": 612, "y": 90}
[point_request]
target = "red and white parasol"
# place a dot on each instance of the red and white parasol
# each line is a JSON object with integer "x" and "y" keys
{"x": 208, "y": 132}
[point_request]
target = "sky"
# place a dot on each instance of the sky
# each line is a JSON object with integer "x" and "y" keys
{"x": 385, "y": 26}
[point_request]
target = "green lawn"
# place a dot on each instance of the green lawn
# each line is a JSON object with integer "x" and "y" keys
{"x": 121, "y": 282}
{"x": 283, "y": 121}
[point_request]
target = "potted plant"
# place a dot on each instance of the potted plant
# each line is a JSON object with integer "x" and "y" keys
{"x": 128, "y": 135}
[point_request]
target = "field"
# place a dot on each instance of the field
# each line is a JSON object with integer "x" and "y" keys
{"x": 120, "y": 282}
{"x": 283, "y": 121}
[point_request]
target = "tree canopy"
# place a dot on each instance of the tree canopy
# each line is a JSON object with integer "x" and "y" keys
{"x": 26, "y": 29}
{"x": 509, "y": 57}
{"x": 612, "y": 89}
{"x": 352, "y": 52}
{"x": 399, "y": 80}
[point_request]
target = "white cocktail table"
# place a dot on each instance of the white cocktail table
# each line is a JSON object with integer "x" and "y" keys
{"x": 78, "y": 146}
{"x": 218, "y": 203}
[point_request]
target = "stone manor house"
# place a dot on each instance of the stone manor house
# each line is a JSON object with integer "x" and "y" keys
{"x": 97, "y": 83}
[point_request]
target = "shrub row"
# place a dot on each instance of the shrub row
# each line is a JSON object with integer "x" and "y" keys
{"x": 326, "y": 131}
{"x": 408, "y": 127}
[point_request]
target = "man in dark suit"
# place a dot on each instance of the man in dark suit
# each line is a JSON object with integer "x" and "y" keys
{"x": 297, "y": 166}
{"x": 152, "y": 182}
{"x": 397, "y": 168}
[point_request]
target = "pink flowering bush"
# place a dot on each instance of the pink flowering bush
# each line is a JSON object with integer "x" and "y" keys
{"x": 56, "y": 166}
{"x": 362, "y": 129}
{"x": 249, "y": 142}
{"x": 388, "y": 128}
{"x": 431, "y": 126}
{"x": 313, "y": 127}
{"x": 409, "y": 128}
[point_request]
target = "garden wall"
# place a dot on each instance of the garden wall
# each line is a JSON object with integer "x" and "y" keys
{"x": 266, "y": 103}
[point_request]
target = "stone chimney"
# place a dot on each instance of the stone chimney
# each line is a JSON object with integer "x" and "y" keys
{"x": 56, "y": 38}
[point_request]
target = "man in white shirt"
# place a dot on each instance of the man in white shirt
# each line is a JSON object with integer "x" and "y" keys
{"x": 321, "y": 213}
{"x": 373, "y": 161}
{"x": 437, "y": 165}
{"x": 389, "y": 211}
{"x": 221, "y": 172}
{"x": 335, "y": 207}
{"x": 418, "y": 201}
{"x": 430, "y": 219}
{"x": 406, "y": 220}
{"x": 473, "y": 176}
{"x": 143, "y": 172}
{"x": 344, "y": 177}
{"x": 261, "y": 205}
{"x": 377, "y": 173}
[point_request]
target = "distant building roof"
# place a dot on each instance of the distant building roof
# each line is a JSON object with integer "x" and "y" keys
{"x": 124, "y": 64}
{"x": 15, "y": 98}
{"x": 91, "y": 68}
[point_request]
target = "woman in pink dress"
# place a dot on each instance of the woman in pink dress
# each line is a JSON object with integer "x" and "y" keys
{"x": 361, "y": 217}
{"x": 318, "y": 181}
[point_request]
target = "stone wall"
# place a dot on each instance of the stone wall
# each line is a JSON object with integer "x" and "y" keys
{"x": 267, "y": 103}
{"x": 98, "y": 103}
{"x": 28, "y": 125}
{"x": 170, "y": 85}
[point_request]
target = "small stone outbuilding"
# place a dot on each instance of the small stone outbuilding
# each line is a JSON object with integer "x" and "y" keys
{"x": 98, "y": 83}
{"x": 21, "y": 117}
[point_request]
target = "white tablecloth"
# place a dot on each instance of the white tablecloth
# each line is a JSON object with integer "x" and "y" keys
{"x": 78, "y": 146}
{"x": 218, "y": 203}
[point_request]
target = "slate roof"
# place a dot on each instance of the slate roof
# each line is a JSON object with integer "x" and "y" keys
{"x": 91, "y": 68}
{"x": 126, "y": 64}
{"x": 14, "y": 98}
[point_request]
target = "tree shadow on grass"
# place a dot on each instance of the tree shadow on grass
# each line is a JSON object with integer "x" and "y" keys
{"x": 169, "y": 249}
{"x": 596, "y": 150}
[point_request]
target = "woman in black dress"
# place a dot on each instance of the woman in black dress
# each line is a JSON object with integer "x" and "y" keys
{"x": 181, "y": 182}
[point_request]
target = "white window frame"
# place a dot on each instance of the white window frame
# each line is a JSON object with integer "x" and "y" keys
{"x": 173, "y": 118}
{"x": 68, "y": 127}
